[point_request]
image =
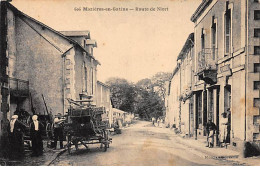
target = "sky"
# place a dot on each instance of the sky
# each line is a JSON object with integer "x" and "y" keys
{"x": 131, "y": 44}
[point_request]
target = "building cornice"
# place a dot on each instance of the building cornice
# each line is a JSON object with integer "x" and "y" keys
{"x": 204, "y": 4}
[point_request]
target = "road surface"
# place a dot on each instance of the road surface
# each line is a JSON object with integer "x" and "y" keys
{"x": 141, "y": 144}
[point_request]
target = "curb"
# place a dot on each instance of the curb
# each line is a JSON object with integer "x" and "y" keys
{"x": 57, "y": 154}
{"x": 207, "y": 154}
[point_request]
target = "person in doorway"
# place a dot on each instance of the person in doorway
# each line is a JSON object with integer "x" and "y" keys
{"x": 16, "y": 131}
{"x": 228, "y": 125}
{"x": 36, "y": 129}
{"x": 58, "y": 131}
{"x": 210, "y": 128}
{"x": 224, "y": 131}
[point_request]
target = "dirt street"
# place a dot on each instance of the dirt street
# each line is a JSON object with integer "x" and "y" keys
{"x": 141, "y": 144}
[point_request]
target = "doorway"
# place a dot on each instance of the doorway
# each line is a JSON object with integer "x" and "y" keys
{"x": 227, "y": 108}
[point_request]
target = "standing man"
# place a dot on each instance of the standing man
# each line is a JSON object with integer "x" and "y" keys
{"x": 58, "y": 131}
{"x": 224, "y": 130}
{"x": 210, "y": 127}
{"x": 15, "y": 138}
{"x": 36, "y": 129}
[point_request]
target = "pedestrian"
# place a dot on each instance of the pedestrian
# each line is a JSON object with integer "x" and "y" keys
{"x": 58, "y": 131}
{"x": 210, "y": 128}
{"x": 158, "y": 122}
{"x": 16, "y": 131}
{"x": 224, "y": 130}
{"x": 36, "y": 129}
{"x": 161, "y": 122}
{"x": 153, "y": 120}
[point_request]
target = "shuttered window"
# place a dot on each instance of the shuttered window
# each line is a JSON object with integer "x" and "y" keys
{"x": 227, "y": 32}
{"x": 256, "y": 67}
{"x": 257, "y": 32}
{"x": 256, "y": 85}
{"x": 213, "y": 40}
{"x": 257, "y": 102}
{"x": 256, "y": 50}
{"x": 257, "y": 14}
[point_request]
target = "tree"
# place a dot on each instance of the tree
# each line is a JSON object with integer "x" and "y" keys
{"x": 122, "y": 94}
{"x": 158, "y": 81}
{"x": 145, "y": 98}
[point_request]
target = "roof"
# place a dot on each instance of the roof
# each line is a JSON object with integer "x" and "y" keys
{"x": 174, "y": 71}
{"x": 103, "y": 84}
{"x": 15, "y": 10}
{"x": 188, "y": 44}
{"x": 204, "y": 4}
{"x": 91, "y": 42}
{"x": 76, "y": 33}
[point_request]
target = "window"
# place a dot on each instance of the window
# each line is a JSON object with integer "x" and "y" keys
{"x": 257, "y": 32}
{"x": 213, "y": 38}
{"x": 86, "y": 78}
{"x": 67, "y": 62}
{"x": 257, "y": 14}
{"x": 256, "y": 67}
{"x": 227, "y": 32}
{"x": 92, "y": 81}
{"x": 256, "y": 50}
{"x": 257, "y": 102}
{"x": 256, "y": 85}
{"x": 202, "y": 40}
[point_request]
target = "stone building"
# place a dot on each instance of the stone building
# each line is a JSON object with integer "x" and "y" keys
{"x": 103, "y": 100}
{"x": 179, "y": 108}
{"x": 225, "y": 74}
{"x": 37, "y": 61}
{"x": 227, "y": 68}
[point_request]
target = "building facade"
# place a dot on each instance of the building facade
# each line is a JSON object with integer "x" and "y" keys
{"x": 224, "y": 76}
{"x": 179, "y": 100}
{"x": 103, "y": 100}
{"x": 226, "y": 64}
{"x": 40, "y": 65}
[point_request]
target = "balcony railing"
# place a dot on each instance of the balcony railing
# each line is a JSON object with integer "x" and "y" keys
{"x": 207, "y": 59}
{"x": 18, "y": 87}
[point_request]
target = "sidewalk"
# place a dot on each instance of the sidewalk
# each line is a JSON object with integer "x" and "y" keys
{"x": 49, "y": 155}
{"x": 199, "y": 147}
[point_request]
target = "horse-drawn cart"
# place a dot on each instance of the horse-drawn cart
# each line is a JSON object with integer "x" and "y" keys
{"x": 86, "y": 125}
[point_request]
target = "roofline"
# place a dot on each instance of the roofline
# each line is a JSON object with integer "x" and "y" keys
{"x": 88, "y": 36}
{"x": 200, "y": 9}
{"x": 57, "y": 32}
{"x": 175, "y": 71}
{"x": 189, "y": 42}
{"x": 103, "y": 84}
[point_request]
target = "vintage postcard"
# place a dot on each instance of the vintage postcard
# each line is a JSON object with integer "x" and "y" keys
{"x": 129, "y": 82}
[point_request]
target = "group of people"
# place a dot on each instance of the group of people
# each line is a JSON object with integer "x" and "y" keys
{"x": 16, "y": 130}
{"x": 224, "y": 135}
{"x": 158, "y": 122}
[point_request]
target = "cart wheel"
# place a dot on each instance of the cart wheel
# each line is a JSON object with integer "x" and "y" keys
{"x": 105, "y": 147}
{"x": 2, "y": 163}
{"x": 104, "y": 144}
{"x": 69, "y": 144}
{"x": 107, "y": 139}
{"x": 49, "y": 130}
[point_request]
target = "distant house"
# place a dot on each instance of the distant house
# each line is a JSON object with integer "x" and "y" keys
{"x": 179, "y": 108}
{"x": 103, "y": 100}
